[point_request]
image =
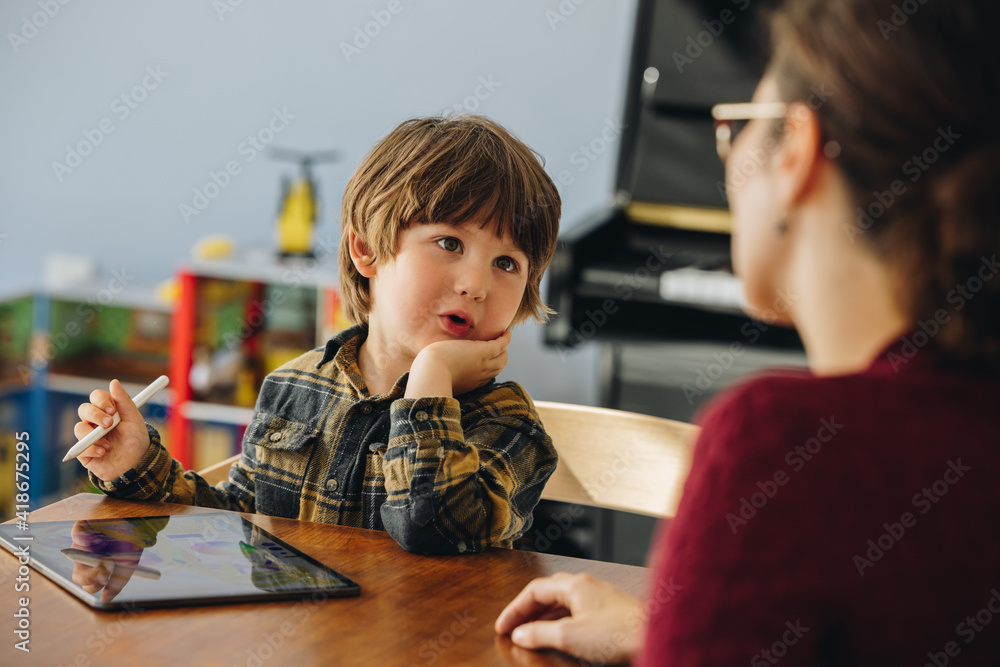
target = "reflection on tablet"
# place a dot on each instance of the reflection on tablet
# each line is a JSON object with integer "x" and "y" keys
{"x": 198, "y": 558}
{"x": 95, "y": 560}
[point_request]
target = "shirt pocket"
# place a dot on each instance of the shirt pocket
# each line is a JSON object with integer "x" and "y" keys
{"x": 284, "y": 449}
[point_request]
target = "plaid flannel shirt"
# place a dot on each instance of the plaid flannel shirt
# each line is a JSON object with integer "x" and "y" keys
{"x": 440, "y": 475}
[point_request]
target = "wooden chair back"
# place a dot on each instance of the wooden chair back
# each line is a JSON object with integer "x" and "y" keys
{"x": 219, "y": 472}
{"x": 616, "y": 459}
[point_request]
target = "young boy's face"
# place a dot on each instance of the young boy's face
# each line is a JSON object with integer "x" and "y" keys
{"x": 447, "y": 282}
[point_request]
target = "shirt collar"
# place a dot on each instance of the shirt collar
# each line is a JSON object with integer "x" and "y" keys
{"x": 349, "y": 339}
{"x": 343, "y": 349}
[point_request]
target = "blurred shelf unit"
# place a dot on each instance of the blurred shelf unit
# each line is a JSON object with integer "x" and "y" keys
{"x": 236, "y": 321}
{"x": 232, "y": 323}
{"x": 56, "y": 347}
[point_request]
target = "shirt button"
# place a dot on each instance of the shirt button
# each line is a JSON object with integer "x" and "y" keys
{"x": 275, "y": 437}
{"x": 421, "y": 416}
{"x": 366, "y": 408}
{"x": 332, "y": 484}
{"x": 441, "y": 452}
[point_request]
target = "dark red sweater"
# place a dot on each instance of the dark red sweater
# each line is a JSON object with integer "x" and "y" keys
{"x": 851, "y": 520}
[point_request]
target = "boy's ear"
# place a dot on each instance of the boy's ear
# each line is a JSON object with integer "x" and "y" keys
{"x": 361, "y": 255}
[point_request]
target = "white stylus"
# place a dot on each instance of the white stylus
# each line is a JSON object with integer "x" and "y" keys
{"x": 98, "y": 433}
{"x": 95, "y": 560}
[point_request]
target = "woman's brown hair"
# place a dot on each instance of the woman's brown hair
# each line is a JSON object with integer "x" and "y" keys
{"x": 913, "y": 107}
{"x": 449, "y": 170}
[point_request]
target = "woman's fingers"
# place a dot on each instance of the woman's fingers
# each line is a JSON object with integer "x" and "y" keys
{"x": 537, "y": 598}
{"x": 575, "y": 613}
{"x": 561, "y": 634}
{"x": 554, "y": 614}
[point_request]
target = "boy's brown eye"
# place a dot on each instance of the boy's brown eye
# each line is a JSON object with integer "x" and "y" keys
{"x": 506, "y": 264}
{"x": 450, "y": 244}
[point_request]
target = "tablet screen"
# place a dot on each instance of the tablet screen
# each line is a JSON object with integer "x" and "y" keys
{"x": 172, "y": 560}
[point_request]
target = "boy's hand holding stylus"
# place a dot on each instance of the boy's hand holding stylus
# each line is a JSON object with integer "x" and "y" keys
{"x": 121, "y": 449}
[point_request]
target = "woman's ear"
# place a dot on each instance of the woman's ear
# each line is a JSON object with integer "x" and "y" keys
{"x": 800, "y": 159}
{"x": 361, "y": 255}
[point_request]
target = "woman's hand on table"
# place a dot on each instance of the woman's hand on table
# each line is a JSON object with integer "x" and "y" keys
{"x": 577, "y": 614}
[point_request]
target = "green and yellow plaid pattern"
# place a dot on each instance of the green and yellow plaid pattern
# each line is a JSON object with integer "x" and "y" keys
{"x": 441, "y": 475}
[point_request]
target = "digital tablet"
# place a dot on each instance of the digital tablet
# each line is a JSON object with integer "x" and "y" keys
{"x": 165, "y": 561}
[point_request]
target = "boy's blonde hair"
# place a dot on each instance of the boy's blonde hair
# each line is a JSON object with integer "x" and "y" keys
{"x": 449, "y": 170}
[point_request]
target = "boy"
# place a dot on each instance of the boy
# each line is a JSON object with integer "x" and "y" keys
{"x": 397, "y": 424}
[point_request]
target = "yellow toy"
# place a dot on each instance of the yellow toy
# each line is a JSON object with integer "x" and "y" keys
{"x": 298, "y": 210}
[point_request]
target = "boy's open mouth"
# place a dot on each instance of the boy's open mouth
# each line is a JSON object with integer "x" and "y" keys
{"x": 457, "y": 323}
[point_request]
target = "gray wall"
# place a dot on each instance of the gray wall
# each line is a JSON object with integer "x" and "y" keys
{"x": 555, "y": 83}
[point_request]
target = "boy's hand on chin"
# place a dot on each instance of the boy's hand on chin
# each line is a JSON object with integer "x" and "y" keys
{"x": 453, "y": 367}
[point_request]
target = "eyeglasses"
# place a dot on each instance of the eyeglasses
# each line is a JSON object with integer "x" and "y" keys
{"x": 730, "y": 119}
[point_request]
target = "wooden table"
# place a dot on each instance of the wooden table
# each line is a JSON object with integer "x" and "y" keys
{"x": 413, "y": 610}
